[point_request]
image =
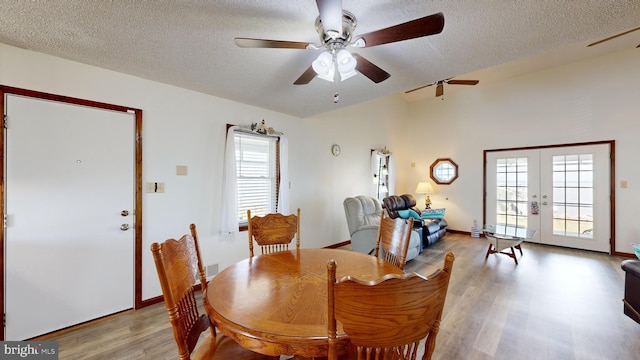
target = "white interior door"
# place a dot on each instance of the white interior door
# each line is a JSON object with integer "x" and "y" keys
{"x": 69, "y": 176}
{"x": 561, "y": 192}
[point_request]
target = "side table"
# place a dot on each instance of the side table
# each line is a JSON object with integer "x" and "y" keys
{"x": 503, "y": 237}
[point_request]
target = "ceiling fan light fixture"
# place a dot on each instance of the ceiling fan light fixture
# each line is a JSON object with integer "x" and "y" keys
{"x": 324, "y": 67}
{"x": 331, "y": 17}
{"x": 334, "y": 34}
{"x": 346, "y": 64}
{"x": 359, "y": 43}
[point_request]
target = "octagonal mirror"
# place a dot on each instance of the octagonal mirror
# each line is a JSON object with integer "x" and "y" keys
{"x": 444, "y": 171}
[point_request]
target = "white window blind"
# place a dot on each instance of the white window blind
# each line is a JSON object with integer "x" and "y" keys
{"x": 256, "y": 169}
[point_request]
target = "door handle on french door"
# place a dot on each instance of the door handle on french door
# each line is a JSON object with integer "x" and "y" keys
{"x": 544, "y": 203}
{"x": 124, "y": 227}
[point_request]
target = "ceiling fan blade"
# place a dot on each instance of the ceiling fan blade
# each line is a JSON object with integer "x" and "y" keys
{"x": 428, "y": 25}
{"x": 439, "y": 89}
{"x": 275, "y": 44}
{"x": 306, "y": 77}
{"x": 463, "y": 82}
{"x": 614, "y": 36}
{"x": 418, "y": 88}
{"x": 331, "y": 16}
{"x": 370, "y": 70}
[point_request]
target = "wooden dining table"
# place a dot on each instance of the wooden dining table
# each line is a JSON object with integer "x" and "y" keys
{"x": 276, "y": 304}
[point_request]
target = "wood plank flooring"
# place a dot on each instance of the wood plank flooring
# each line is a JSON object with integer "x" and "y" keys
{"x": 556, "y": 304}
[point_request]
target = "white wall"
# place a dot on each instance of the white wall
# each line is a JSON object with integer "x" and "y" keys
{"x": 182, "y": 127}
{"x": 597, "y": 99}
{"x": 588, "y": 101}
{"x": 324, "y": 180}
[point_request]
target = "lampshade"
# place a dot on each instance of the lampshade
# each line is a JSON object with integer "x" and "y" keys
{"x": 424, "y": 187}
{"x": 346, "y": 64}
{"x": 323, "y": 66}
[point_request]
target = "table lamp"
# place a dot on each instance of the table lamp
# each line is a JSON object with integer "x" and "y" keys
{"x": 425, "y": 188}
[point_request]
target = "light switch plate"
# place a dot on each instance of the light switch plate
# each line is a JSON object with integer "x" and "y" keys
{"x": 154, "y": 187}
{"x": 181, "y": 170}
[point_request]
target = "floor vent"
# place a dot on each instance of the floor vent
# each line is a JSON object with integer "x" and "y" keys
{"x": 211, "y": 270}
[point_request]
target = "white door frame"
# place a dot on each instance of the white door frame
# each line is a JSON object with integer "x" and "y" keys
{"x": 612, "y": 182}
{"x": 5, "y": 90}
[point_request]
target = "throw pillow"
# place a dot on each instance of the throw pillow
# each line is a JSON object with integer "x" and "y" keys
{"x": 433, "y": 213}
{"x": 405, "y": 214}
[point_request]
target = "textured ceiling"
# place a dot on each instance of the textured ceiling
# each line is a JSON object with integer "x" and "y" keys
{"x": 190, "y": 43}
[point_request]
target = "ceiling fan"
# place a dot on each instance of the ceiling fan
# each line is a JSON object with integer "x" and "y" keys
{"x": 335, "y": 27}
{"x": 615, "y": 36}
{"x": 440, "y": 85}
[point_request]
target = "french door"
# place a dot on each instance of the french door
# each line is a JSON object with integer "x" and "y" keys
{"x": 563, "y": 193}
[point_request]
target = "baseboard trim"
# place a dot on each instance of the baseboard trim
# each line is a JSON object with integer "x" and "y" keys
{"x": 461, "y": 232}
{"x": 78, "y": 326}
{"x": 338, "y": 245}
{"x": 154, "y": 300}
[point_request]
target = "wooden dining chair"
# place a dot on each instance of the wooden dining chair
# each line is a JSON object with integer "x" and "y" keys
{"x": 389, "y": 317}
{"x": 179, "y": 266}
{"x": 394, "y": 236}
{"x": 273, "y": 232}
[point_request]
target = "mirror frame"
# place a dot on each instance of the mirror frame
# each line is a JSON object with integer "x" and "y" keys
{"x": 436, "y": 164}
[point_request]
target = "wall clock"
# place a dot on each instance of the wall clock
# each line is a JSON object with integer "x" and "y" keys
{"x": 335, "y": 149}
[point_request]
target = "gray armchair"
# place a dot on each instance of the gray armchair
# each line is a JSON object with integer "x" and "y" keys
{"x": 363, "y": 219}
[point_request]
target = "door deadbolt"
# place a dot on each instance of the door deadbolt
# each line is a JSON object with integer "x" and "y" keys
{"x": 124, "y": 227}
{"x": 125, "y": 213}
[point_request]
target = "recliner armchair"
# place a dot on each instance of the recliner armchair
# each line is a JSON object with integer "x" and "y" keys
{"x": 431, "y": 230}
{"x": 363, "y": 219}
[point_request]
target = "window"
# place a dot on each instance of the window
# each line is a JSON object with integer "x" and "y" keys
{"x": 257, "y": 172}
{"x": 444, "y": 171}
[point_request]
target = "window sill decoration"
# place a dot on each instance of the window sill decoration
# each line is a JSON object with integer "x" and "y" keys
{"x": 261, "y": 128}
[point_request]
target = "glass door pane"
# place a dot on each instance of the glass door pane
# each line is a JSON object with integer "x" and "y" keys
{"x": 575, "y": 188}
{"x": 512, "y": 191}
{"x": 573, "y": 195}
{"x": 511, "y": 176}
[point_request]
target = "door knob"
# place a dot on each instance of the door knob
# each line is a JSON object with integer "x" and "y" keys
{"x": 124, "y": 227}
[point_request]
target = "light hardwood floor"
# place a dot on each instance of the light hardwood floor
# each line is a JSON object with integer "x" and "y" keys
{"x": 556, "y": 304}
